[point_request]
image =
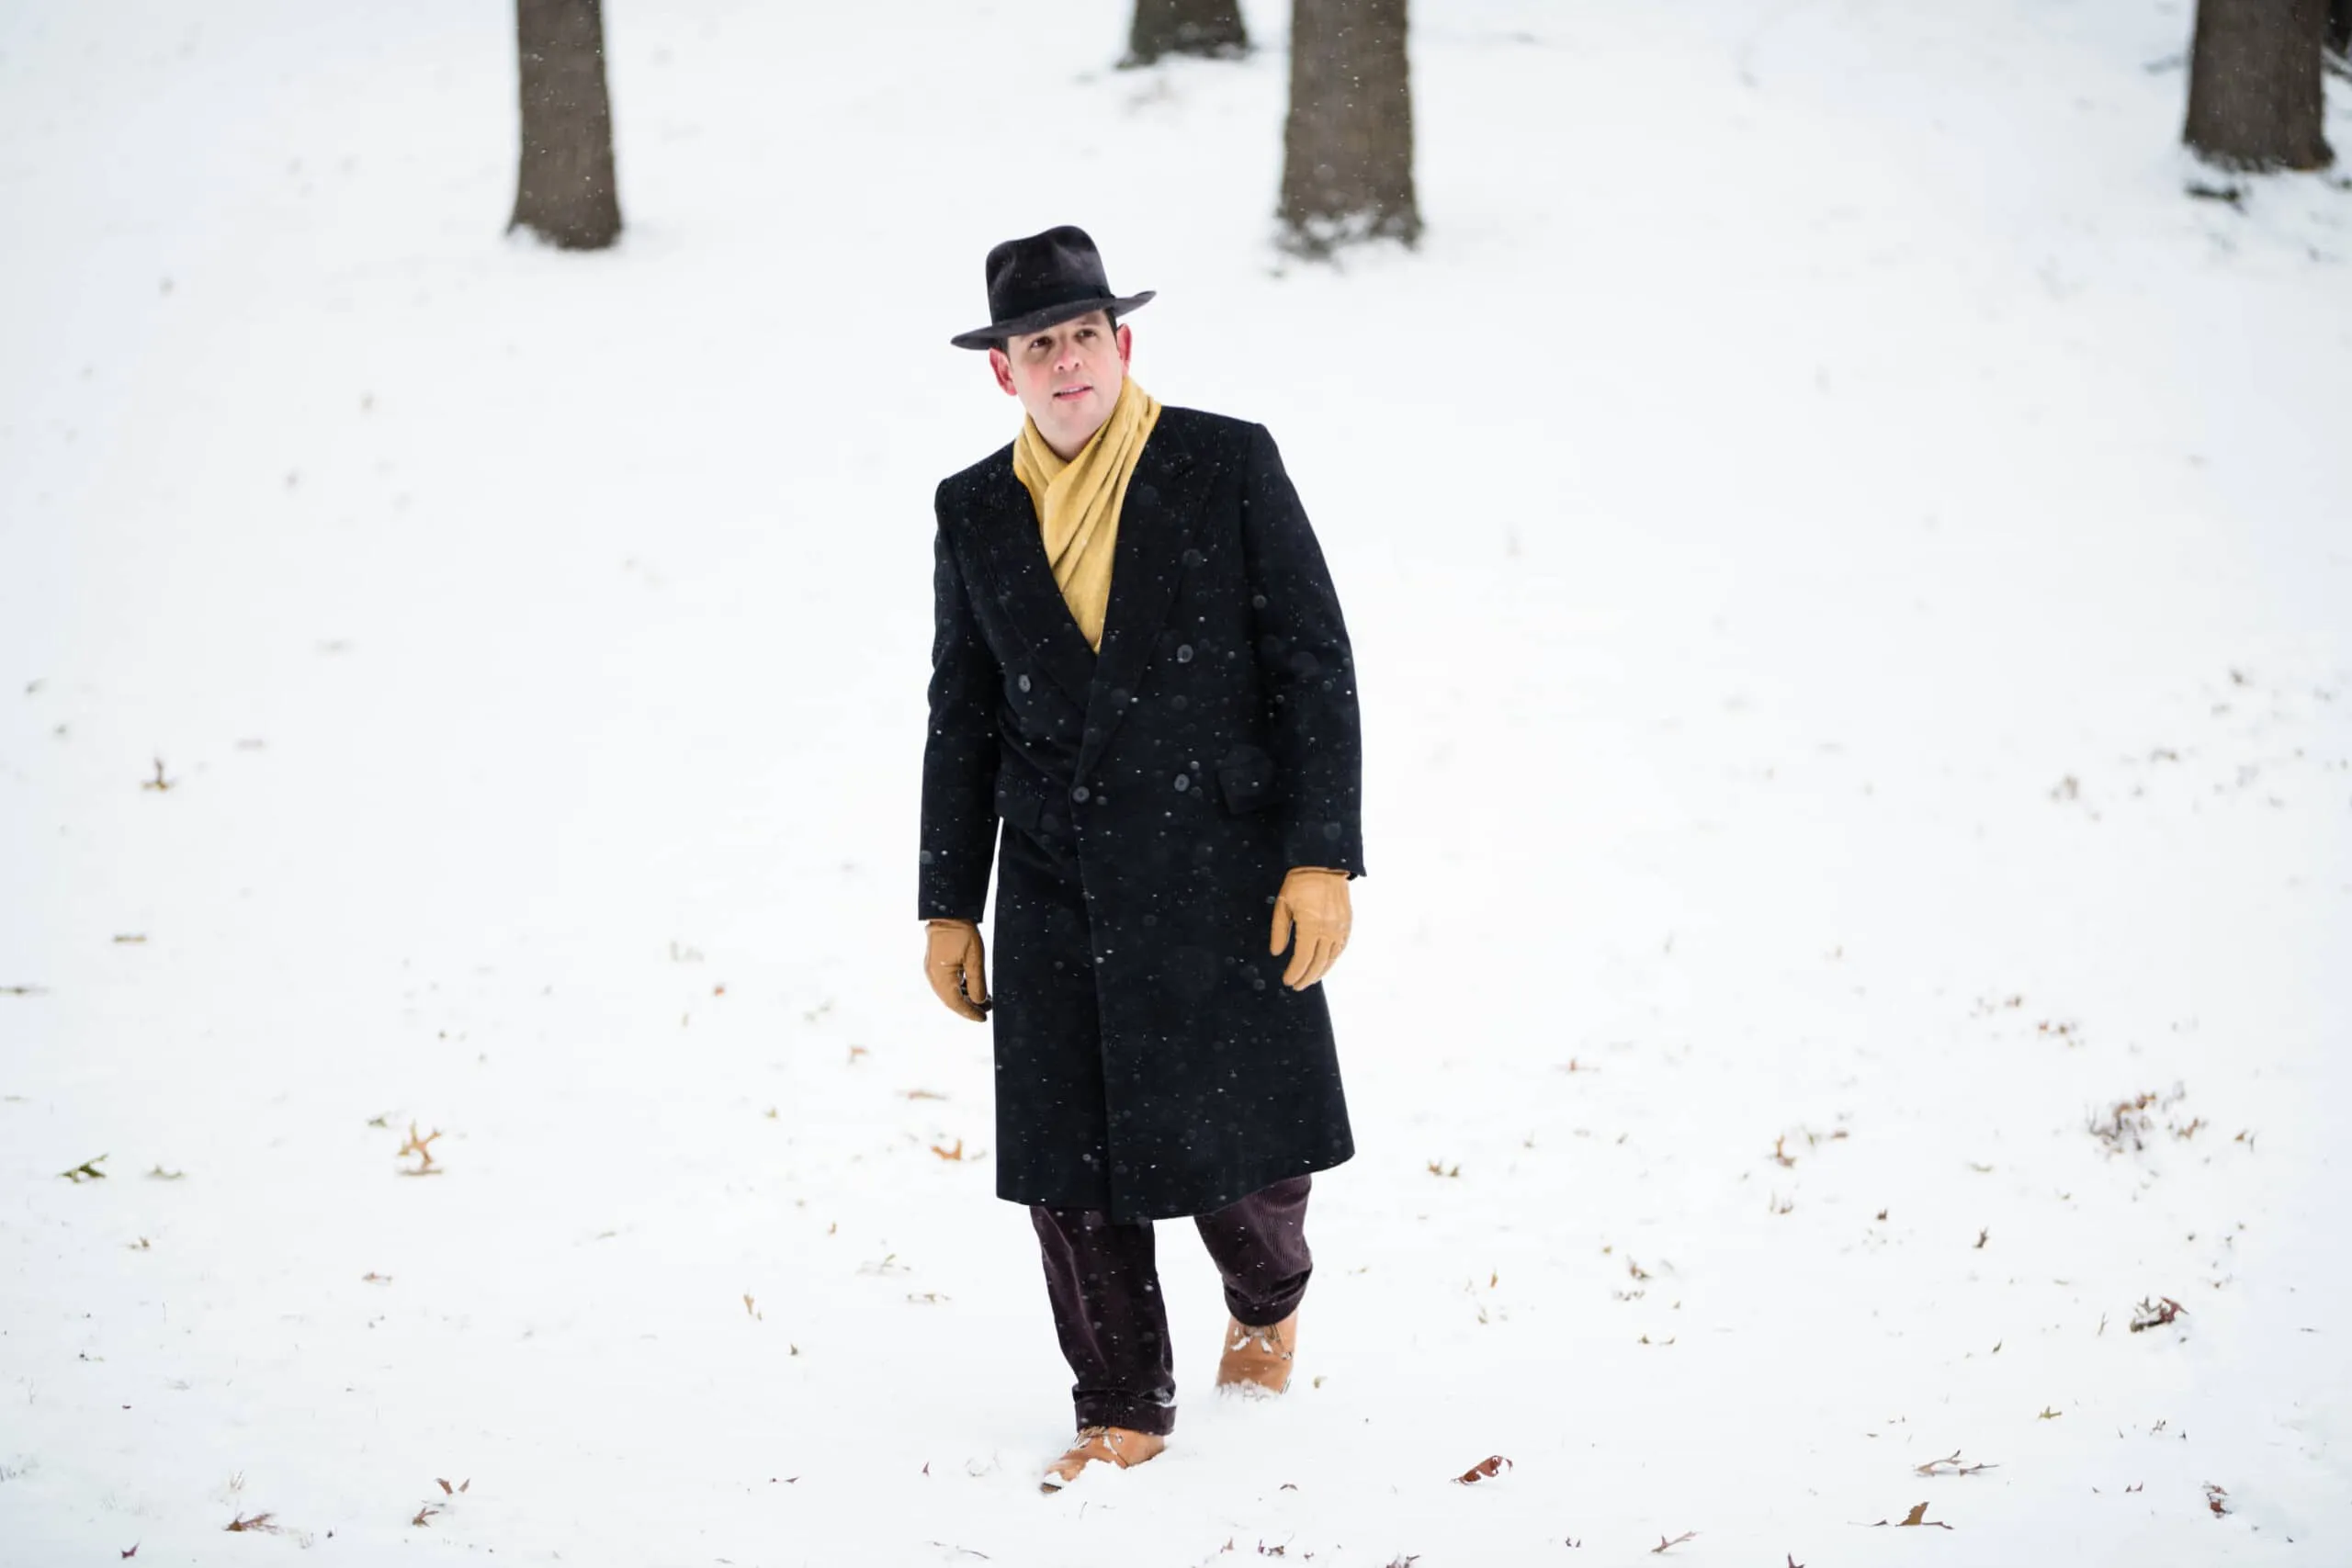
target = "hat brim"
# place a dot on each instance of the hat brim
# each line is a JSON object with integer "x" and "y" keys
{"x": 1053, "y": 315}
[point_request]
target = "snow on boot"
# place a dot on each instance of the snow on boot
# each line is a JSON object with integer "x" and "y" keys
{"x": 1257, "y": 1360}
{"x": 1119, "y": 1445}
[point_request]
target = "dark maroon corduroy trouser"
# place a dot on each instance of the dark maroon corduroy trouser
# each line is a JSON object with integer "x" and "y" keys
{"x": 1107, "y": 1309}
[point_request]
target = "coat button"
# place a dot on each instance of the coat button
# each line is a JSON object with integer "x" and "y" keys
{"x": 1194, "y": 558}
{"x": 1184, "y": 781}
{"x": 1024, "y": 682}
{"x": 1080, "y": 794}
{"x": 1183, "y": 653}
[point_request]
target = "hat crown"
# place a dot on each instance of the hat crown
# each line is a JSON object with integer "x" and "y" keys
{"x": 1044, "y": 272}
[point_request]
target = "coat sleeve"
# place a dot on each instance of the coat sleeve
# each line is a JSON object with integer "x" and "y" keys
{"x": 959, "y": 756}
{"x": 1308, "y": 667}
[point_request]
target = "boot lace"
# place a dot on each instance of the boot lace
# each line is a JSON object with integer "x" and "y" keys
{"x": 1265, "y": 1336}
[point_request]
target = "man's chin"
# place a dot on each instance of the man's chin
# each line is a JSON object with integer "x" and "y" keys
{"x": 1072, "y": 427}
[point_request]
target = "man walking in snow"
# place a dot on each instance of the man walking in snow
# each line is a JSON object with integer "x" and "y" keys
{"x": 1140, "y": 671}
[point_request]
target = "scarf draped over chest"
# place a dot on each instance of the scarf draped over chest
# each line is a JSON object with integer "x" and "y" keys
{"x": 1077, "y": 501}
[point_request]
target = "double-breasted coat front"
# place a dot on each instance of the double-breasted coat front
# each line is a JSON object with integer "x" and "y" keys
{"x": 1142, "y": 807}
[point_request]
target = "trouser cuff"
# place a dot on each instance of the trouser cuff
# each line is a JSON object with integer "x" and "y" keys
{"x": 1263, "y": 1312}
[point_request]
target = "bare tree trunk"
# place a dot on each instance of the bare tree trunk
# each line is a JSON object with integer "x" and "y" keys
{"x": 565, "y": 193}
{"x": 2255, "y": 91}
{"x": 1213, "y": 28}
{"x": 1348, "y": 144}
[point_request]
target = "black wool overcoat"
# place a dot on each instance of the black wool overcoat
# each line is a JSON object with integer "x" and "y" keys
{"x": 1142, "y": 806}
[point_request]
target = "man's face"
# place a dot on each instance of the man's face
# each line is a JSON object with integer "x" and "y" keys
{"x": 1066, "y": 376}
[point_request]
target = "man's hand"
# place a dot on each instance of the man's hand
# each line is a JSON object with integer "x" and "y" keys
{"x": 1314, "y": 900}
{"x": 957, "y": 964}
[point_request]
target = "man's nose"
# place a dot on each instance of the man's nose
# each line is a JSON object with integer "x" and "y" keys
{"x": 1067, "y": 359}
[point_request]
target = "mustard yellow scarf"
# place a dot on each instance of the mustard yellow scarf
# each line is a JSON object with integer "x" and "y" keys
{"x": 1077, "y": 501}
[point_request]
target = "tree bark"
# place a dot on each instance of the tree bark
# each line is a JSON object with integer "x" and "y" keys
{"x": 1348, "y": 144}
{"x": 565, "y": 192}
{"x": 2256, "y": 93}
{"x": 1212, "y": 28}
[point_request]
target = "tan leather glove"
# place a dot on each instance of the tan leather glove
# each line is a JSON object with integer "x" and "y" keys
{"x": 956, "y": 962}
{"x": 1314, "y": 900}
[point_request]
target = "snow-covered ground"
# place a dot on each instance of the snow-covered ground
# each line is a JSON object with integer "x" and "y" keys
{"x": 1848, "y": 565}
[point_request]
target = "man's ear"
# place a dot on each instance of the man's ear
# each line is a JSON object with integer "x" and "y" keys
{"x": 1002, "y": 366}
{"x": 1126, "y": 344}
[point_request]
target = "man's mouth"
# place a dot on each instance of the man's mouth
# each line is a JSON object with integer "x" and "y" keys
{"x": 1079, "y": 391}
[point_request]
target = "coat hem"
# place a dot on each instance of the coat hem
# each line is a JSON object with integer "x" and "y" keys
{"x": 1178, "y": 1209}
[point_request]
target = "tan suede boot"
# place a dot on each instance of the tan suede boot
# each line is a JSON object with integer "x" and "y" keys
{"x": 1122, "y": 1446}
{"x": 1256, "y": 1361}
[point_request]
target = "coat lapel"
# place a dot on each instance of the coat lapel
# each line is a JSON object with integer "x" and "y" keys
{"x": 1147, "y": 568}
{"x": 1025, "y": 586}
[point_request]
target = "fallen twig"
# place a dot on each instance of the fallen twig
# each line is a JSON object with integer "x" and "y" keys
{"x": 422, "y": 1147}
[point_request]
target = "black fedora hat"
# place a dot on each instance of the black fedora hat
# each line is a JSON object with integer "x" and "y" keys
{"x": 1044, "y": 278}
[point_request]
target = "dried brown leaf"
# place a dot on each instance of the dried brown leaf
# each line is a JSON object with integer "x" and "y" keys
{"x": 1485, "y": 1470}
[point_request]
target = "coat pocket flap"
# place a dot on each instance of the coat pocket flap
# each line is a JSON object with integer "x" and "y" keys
{"x": 1017, "y": 806}
{"x": 1246, "y": 777}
